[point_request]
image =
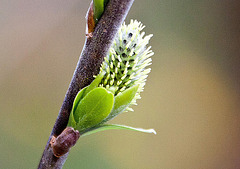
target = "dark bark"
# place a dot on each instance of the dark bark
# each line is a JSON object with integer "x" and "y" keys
{"x": 93, "y": 53}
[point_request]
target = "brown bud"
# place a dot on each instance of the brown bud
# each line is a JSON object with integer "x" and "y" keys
{"x": 62, "y": 143}
{"x": 90, "y": 21}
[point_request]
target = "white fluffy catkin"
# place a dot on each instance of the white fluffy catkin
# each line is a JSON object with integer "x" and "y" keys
{"x": 125, "y": 65}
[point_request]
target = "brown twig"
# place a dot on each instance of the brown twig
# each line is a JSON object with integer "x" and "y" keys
{"x": 94, "y": 50}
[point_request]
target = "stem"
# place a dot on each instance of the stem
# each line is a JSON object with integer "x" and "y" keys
{"x": 91, "y": 58}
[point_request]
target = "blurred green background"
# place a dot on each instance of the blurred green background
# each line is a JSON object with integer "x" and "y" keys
{"x": 191, "y": 98}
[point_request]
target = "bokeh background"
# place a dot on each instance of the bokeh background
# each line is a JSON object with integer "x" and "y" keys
{"x": 191, "y": 98}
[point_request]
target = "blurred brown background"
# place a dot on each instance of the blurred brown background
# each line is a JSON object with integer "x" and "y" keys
{"x": 191, "y": 97}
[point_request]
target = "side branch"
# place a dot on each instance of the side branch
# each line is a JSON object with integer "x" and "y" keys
{"x": 93, "y": 53}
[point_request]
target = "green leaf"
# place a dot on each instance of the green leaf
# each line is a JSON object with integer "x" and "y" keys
{"x": 79, "y": 96}
{"x": 95, "y": 82}
{"x": 122, "y": 101}
{"x": 93, "y": 108}
{"x": 117, "y": 126}
{"x": 98, "y": 9}
{"x": 71, "y": 121}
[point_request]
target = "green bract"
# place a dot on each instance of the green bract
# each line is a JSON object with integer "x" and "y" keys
{"x": 118, "y": 85}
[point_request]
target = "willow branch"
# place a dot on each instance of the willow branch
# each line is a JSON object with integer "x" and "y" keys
{"x": 93, "y": 53}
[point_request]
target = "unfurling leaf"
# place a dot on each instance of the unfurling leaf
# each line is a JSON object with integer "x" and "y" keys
{"x": 93, "y": 108}
{"x": 78, "y": 98}
{"x": 122, "y": 101}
